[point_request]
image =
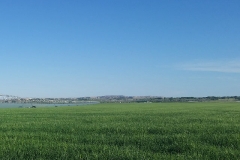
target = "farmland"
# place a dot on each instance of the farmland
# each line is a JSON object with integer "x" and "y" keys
{"x": 122, "y": 131}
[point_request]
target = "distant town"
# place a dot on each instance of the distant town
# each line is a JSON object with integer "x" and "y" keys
{"x": 114, "y": 99}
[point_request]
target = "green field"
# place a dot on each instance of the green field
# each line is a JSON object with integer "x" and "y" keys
{"x": 122, "y": 131}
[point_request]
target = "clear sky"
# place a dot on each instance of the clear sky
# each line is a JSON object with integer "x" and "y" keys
{"x": 76, "y": 48}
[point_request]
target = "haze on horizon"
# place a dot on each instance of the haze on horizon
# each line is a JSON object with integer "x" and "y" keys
{"x": 134, "y": 48}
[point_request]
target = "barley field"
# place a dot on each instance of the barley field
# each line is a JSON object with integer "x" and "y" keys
{"x": 131, "y": 131}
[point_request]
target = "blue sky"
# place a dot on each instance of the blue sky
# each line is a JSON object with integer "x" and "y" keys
{"x": 120, "y": 47}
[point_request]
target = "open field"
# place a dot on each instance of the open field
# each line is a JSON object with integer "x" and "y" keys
{"x": 122, "y": 131}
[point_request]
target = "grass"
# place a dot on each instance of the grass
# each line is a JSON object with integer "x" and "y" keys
{"x": 122, "y": 131}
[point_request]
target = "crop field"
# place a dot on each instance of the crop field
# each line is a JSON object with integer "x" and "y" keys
{"x": 122, "y": 131}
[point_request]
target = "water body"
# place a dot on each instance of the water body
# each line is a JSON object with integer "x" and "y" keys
{"x": 28, "y": 105}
